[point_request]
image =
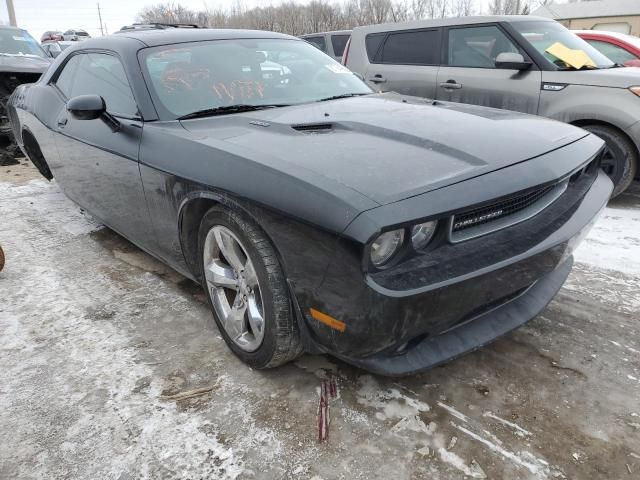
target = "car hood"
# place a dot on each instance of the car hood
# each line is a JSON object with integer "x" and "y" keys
{"x": 23, "y": 64}
{"x": 385, "y": 146}
{"x": 619, "y": 77}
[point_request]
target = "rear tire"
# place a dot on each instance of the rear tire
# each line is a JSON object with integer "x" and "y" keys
{"x": 621, "y": 159}
{"x": 255, "y": 317}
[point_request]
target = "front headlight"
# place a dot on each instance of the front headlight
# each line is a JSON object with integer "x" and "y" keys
{"x": 422, "y": 233}
{"x": 385, "y": 246}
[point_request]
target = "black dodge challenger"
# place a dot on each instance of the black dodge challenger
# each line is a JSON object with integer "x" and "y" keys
{"x": 393, "y": 232}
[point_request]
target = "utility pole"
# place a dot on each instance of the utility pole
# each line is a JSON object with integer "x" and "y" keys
{"x": 99, "y": 16}
{"x": 12, "y": 13}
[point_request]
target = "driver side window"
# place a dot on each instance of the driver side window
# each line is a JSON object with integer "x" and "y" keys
{"x": 477, "y": 46}
{"x": 100, "y": 74}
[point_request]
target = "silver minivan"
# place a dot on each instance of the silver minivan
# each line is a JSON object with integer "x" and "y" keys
{"x": 522, "y": 63}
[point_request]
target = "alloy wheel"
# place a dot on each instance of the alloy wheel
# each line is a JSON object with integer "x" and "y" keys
{"x": 609, "y": 163}
{"x": 234, "y": 288}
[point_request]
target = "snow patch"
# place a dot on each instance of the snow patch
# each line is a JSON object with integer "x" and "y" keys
{"x": 390, "y": 403}
{"x": 614, "y": 242}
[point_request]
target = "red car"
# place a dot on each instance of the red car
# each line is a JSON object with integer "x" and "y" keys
{"x": 620, "y": 48}
{"x": 51, "y": 36}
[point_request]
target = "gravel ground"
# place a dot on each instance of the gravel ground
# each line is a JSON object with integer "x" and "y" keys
{"x": 98, "y": 340}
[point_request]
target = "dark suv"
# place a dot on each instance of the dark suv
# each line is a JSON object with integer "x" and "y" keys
{"x": 522, "y": 63}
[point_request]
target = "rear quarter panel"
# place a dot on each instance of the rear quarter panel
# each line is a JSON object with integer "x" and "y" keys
{"x": 357, "y": 60}
{"x": 34, "y": 108}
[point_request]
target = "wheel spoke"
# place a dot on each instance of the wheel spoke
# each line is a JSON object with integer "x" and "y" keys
{"x": 219, "y": 275}
{"x": 608, "y": 162}
{"x": 235, "y": 321}
{"x": 230, "y": 249}
{"x": 250, "y": 274}
{"x": 255, "y": 317}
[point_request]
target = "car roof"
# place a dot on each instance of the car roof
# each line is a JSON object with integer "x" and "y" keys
{"x": 446, "y": 22}
{"x": 9, "y": 27}
{"x": 332, "y": 32}
{"x": 155, "y": 37}
{"x": 603, "y": 33}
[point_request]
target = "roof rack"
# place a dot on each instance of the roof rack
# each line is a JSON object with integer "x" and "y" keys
{"x": 158, "y": 26}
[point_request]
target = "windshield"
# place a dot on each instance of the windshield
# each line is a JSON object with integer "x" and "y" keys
{"x": 545, "y": 35}
{"x": 190, "y": 77}
{"x": 19, "y": 42}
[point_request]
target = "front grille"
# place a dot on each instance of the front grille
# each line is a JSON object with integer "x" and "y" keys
{"x": 503, "y": 213}
{"x": 492, "y": 212}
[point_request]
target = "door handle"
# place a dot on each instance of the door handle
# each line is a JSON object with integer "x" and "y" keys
{"x": 377, "y": 79}
{"x": 451, "y": 85}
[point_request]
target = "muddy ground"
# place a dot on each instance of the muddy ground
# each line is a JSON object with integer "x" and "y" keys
{"x": 98, "y": 341}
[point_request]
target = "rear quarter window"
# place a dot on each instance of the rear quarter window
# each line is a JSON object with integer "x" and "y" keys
{"x": 410, "y": 48}
{"x": 372, "y": 43}
{"x": 317, "y": 42}
{"x": 339, "y": 42}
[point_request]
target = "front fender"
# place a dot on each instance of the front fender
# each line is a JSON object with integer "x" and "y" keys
{"x": 615, "y": 106}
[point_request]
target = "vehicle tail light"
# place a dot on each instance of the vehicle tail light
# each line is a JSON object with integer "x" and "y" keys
{"x": 345, "y": 54}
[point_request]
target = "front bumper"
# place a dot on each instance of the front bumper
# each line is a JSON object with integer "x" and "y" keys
{"x": 473, "y": 334}
{"x": 400, "y": 324}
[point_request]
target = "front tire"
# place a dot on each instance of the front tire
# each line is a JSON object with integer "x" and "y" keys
{"x": 620, "y": 160}
{"x": 247, "y": 290}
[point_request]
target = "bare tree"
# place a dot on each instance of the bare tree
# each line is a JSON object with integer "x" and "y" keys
{"x": 461, "y": 8}
{"x": 510, "y": 7}
{"x": 318, "y": 15}
{"x": 167, "y": 13}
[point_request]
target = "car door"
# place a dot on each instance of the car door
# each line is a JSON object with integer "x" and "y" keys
{"x": 469, "y": 73}
{"x": 99, "y": 162}
{"x": 404, "y": 61}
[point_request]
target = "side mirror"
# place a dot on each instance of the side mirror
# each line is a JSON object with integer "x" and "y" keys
{"x": 511, "y": 61}
{"x": 86, "y": 107}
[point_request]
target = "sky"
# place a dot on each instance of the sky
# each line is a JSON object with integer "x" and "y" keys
{"x": 38, "y": 16}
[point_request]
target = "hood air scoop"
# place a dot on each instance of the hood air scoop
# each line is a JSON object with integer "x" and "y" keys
{"x": 314, "y": 128}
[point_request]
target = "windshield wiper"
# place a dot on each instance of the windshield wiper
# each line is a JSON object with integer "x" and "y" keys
{"x": 344, "y": 95}
{"x": 210, "y": 112}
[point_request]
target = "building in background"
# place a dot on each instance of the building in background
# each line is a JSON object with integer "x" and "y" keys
{"x": 621, "y": 16}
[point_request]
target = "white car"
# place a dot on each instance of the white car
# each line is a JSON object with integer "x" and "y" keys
{"x": 75, "y": 35}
